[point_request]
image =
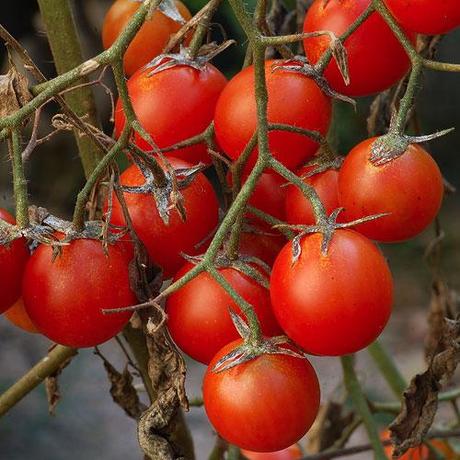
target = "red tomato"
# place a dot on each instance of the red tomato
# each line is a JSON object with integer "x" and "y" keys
{"x": 198, "y": 317}
{"x": 172, "y": 106}
{"x": 431, "y": 17}
{"x": 293, "y": 99}
{"x": 64, "y": 298}
{"x": 409, "y": 187}
{"x": 261, "y": 244}
{"x": 166, "y": 243}
{"x": 291, "y": 453}
{"x": 298, "y": 208}
{"x": 376, "y": 60}
{"x": 263, "y": 405}
{"x": 13, "y": 259}
{"x": 333, "y": 304}
{"x": 18, "y": 316}
{"x": 150, "y": 39}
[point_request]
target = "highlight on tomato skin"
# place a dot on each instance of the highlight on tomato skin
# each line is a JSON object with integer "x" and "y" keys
{"x": 18, "y": 316}
{"x": 262, "y": 395}
{"x": 150, "y": 39}
{"x": 291, "y": 453}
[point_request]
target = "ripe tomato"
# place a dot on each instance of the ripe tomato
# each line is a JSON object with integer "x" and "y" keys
{"x": 198, "y": 317}
{"x": 409, "y": 187}
{"x": 261, "y": 244}
{"x": 166, "y": 243}
{"x": 430, "y": 17}
{"x": 291, "y": 453}
{"x": 150, "y": 39}
{"x": 298, "y": 208}
{"x": 376, "y": 60}
{"x": 64, "y": 298}
{"x": 18, "y": 316}
{"x": 333, "y": 304}
{"x": 274, "y": 397}
{"x": 13, "y": 259}
{"x": 174, "y": 105}
{"x": 293, "y": 99}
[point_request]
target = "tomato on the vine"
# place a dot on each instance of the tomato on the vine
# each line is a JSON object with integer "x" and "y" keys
{"x": 261, "y": 243}
{"x": 263, "y": 405}
{"x": 18, "y": 316}
{"x": 335, "y": 303}
{"x": 430, "y": 17}
{"x": 13, "y": 259}
{"x": 297, "y": 206}
{"x": 291, "y": 453}
{"x": 172, "y": 106}
{"x": 64, "y": 294}
{"x": 165, "y": 243}
{"x": 293, "y": 99}
{"x": 410, "y": 188}
{"x": 150, "y": 39}
{"x": 198, "y": 313}
{"x": 376, "y": 59}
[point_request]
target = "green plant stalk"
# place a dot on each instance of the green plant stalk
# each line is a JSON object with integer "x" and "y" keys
{"x": 65, "y": 46}
{"x": 359, "y": 400}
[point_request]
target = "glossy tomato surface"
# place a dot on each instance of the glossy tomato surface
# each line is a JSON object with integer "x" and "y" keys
{"x": 376, "y": 60}
{"x": 13, "y": 259}
{"x": 409, "y": 187}
{"x": 65, "y": 297}
{"x": 430, "y": 17}
{"x": 333, "y": 304}
{"x": 150, "y": 39}
{"x": 298, "y": 208}
{"x": 198, "y": 317}
{"x": 293, "y": 99}
{"x": 291, "y": 453}
{"x": 166, "y": 242}
{"x": 172, "y": 106}
{"x": 18, "y": 316}
{"x": 262, "y": 405}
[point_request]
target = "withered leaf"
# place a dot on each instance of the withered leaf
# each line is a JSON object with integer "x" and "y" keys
{"x": 14, "y": 92}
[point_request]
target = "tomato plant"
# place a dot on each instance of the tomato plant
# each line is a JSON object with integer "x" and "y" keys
{"x": 410, "y": 188}
{"x": 376, "y": 59}
{"x": 149, "y": 41}
{"x": 290, "y": 99}
{"x": 262, "y": 395}
{"x": 64, "y": 294}
{"x": 291, "y": 453}
{"x": 198, "y": 317}
{"x": 336, "y": 303}
{"x": 173, "y": 105}
{"x": 18, "y": 316}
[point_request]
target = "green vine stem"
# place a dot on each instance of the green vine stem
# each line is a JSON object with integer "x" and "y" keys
{"x": 359, "y": 401}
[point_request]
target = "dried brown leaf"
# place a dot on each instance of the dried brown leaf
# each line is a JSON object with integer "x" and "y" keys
{"x": 14, "y": 92}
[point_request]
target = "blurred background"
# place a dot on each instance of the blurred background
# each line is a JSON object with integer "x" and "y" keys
{"x": 87, "y": 423}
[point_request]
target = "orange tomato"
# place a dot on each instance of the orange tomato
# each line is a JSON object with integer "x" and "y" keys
{"x": 291, "y": 453}
{"x": 19, "y": 317}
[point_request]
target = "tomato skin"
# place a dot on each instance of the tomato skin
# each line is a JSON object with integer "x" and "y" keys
{"x": 64, "y": 298}
{"x": 376, "y": 60}
{"x": 13, "y": 259}
{"x": 430, "y": 17}
{"x": 262, "y": 395}
{"x": 298, "y": 208}
{"x": 293, "y": 99}
{"x": 172, "y": 106}
{"x": 409, "y": 187}
{"x": 18, "y": 316}
{"x": 291, "y": 453}
{"x": 333, "y": 304}
{"x": 198, "y": 317}
{"x": 165, "y": 243}
{"x": 150, "y": 39}
{"x": 261, "y": 244}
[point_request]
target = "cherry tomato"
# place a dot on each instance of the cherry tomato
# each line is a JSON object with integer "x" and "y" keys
{"x": 376, "y": 60}
{"x": 172, "y": 106}
{"x": 333, "y": 304}
{"x": 18, "y": 316}
{"x": 291, "y": 453}
{"x": 430, "y": 17}
{"x": 409, "y": 187}
{"x": 263, "y": 405}
{"x": 166, "y": 243}
{"x": 298, "y": 208}
{"x": 198, "y": 317}
{"x": 261, "y": 244}
{"x": 65, "y": 297}
{"x": 150, "y": 39}
{"x": 13, "y": 259}
{"x": 293, "y": 99}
